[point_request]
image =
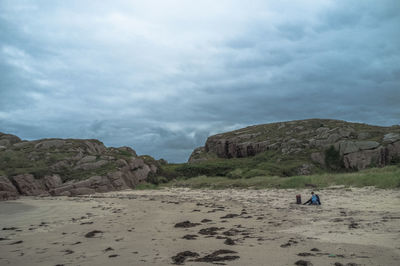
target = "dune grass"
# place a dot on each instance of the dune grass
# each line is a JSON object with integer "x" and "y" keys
{"x": 387, "y": 177}
{"x": 145, "y": 186}
{"x": 269, "y": 163}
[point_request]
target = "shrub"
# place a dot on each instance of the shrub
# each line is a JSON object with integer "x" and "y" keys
{"x": 208, "y": 169}
{"x": 237, "y": 173}
{"x": 145, "y": 186}
{"x": 395, "y": 160}
{"x": 39, "y": 172}
{"x": 125, "y": 153}
{"x": 255, "y": 172}
{"x": 156, "y": 180}
{"x": 333, "y": 159}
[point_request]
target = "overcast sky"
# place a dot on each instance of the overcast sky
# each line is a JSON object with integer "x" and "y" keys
{"x": 161, "y": 76}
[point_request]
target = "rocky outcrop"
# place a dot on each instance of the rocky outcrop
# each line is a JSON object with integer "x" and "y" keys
{"x": 196, "y": 155}
{"x": 392, "y": 152}
{"x": 232, "y": 148}
{"x": 68, "y": 167}
{"x": 52, "y": 143}
{"x": 52, "y": 181}
{"x": 364, "y": 158}
{"x": 91, "y": 165}
{"x": 131, "y": 173}
{"x": 126, "y": 150}
{"x": 346, "y": 146}
{"x": 318, "y": 157}
{"x": 7, "y": 189}
{"x": 359, "y": 145}
{"x": 27, "y": 185}
{"x": 391, "y": 137}
{"x": 8, "y": 139}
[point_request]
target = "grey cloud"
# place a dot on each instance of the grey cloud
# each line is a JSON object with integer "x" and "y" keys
{"x": 162, "y": 82}
{"x": 293, "y": 31}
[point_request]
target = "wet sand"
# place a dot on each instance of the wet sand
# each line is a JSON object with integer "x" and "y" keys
{"x": 203, "y": 227}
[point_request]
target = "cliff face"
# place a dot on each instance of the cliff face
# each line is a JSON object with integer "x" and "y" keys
{"x": 68, "y": 167}
{"x": 357, "y": 146}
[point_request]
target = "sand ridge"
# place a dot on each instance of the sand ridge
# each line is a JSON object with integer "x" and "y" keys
{"x": 228, "y": 227}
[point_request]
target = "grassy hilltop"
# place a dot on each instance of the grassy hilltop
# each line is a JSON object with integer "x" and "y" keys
{"x": 293, "y": 154}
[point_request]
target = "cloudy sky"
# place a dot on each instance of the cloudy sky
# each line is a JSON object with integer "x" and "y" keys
{"x": 161, "y": 76}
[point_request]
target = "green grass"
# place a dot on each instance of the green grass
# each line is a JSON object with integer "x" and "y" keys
{"x": 388, "y": 177}
{"x": 269, "y": 163}
{"x": 144, "y": 186}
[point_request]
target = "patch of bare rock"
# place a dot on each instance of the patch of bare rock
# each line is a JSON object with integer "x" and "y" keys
{"x": 74, "y": 167}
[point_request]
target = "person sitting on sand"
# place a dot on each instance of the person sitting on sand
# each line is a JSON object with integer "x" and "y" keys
{"x": 314, "y": 200}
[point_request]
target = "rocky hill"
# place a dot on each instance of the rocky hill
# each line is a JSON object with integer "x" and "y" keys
{"x": 307, "y": 145}
{"x": 68, "y": 167}
{"x": 84, "y": 166}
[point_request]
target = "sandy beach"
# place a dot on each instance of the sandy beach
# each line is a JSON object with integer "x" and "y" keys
{"x": 203, "y": 227}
